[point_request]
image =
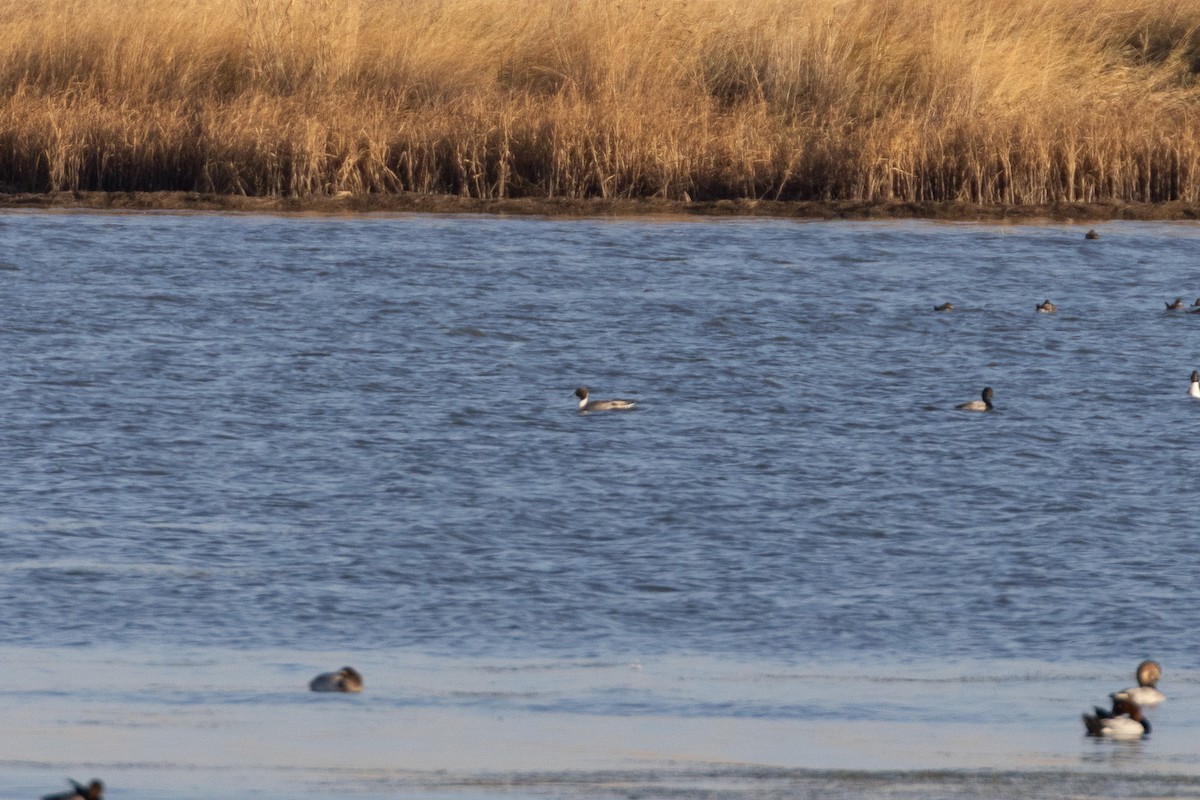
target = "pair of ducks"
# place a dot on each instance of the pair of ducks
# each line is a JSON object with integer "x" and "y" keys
{"x": 1178, "y": 306}
{"x": 586, "y": 404}
{"x": 1044, "y": 307}
{"x": 1125, "y": 720}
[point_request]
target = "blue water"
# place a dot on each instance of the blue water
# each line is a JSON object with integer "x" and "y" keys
{"x": 358, "y": 434}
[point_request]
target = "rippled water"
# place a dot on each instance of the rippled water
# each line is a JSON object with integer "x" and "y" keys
{"x": 357, "y": 435}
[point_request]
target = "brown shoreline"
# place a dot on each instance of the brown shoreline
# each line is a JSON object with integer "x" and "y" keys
{"x": 568, "y": 207}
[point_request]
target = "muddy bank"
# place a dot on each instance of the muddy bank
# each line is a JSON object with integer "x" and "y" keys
{"x": 570, "y": 207}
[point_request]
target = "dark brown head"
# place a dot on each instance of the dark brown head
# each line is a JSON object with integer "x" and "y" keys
{"x": 581, "y": 393}
{"x": 1123, "y": 705}
{"x": 1091, "y": 235}
{"x": 93, "y": 791}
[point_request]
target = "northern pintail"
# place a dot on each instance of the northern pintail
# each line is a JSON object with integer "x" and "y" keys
{"x": 586, "y": 405}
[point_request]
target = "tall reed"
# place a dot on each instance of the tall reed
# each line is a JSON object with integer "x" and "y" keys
{"x": 984, "y": 101}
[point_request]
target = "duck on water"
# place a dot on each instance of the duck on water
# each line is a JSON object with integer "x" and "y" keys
{"x": 1146, "y": 693}
{"x": 345, "y": 679}
{"x": 1125, "y": 721}
{"x": 983, "y": 404}
{"x": 93, "y": 791}
{"x": 586, "y": 404}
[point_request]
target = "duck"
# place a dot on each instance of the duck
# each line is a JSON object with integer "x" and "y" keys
{"x": 1146, "y": 693}
{"x": 345, "y": 679}
{"x": 1195, "y": 309}
{"x": 944, "y": 307}
{"x": 1125, "y": 721}
{"x": 1091, "y": 234}
{"x": 1176, "y": 306}
{"x": 93, "y": 791}
{"x": 1046, "y": 307}
{"x": 586, "y": 405}
{"x": 1194, "y": 389}
{"x": 979, "y": 405}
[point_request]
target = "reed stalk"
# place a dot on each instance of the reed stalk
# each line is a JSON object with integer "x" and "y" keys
{"x": 981, "y": 101}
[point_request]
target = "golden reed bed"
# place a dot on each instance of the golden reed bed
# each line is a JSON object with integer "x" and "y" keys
{"x": 922, "y": 101}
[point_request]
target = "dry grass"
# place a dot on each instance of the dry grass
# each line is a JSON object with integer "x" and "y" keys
{"x": 985, "y": 101}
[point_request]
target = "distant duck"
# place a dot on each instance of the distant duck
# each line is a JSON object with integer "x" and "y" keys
{"x": 944, "y": 307}
{"x": 93, "y": 791}
{"x": 1091, "y": 234}
{"x": 345, "y": 679}
{"x": 586, "y": 405}
{"x": 1125, "y": 721}
{"x": 1146, "y": 693}
{"x": 979, "y": 405}
{"x": 1195, "y": 309}
{"x": 1194, "y": 389}
{"x": 1176, "y": 306}
{"x": 1046, "y": 307}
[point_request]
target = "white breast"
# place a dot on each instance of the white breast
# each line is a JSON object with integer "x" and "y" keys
{"x": 1122, "y": 727}
{"x": 1145, "y": 695}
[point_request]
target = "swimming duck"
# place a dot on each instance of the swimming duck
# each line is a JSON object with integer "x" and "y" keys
{"x": 1194, "y": 389}
{"x": 944, "y": 307}
{"x": 979, "y": 405}
{"x": 1176, "y": 306}
{"x": 1125, "y": 721}
{"x": 93, "y": 791}
{"x": 1146, "y": 693}
{"x": 1091, "y": 234}
{"x": 586, "y": 405}
{"x": 345, "y": 679}
{"x": 1046, "y": 307}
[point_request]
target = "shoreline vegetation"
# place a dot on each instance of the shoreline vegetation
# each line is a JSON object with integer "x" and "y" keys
{"x": 407, "y": 202}
{"x": 987, "y": 109}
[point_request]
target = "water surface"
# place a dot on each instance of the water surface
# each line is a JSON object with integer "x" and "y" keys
{"x": 279, "y": 444}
